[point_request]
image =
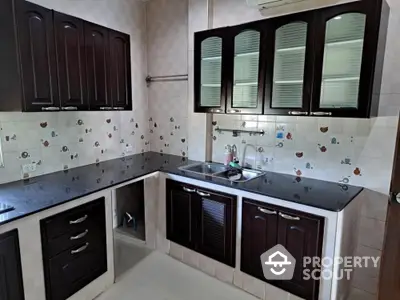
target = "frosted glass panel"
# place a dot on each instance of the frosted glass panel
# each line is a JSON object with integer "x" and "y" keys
{"x": 211, "y": 59}
{"x": 344, "y": 41}
{"x": 290, "y": 51}
{"x": 246, "y": 65}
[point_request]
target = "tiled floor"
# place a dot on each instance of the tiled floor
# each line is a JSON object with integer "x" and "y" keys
{"x": 157, "y": 276}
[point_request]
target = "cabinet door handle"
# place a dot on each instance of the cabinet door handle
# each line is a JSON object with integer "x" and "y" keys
{"x": 287, "y": 217}
{"x": 266, "y": 211}
{"x": 216, "y": 110}
{"x": 321, "y": 113}
{"x": 233, "y": 111}
{"x": 189, "y": 190}
{"x": 83, "y": 248}
{"x": 50, "y": 108}
{"x": 119, "y": 108}
{"x": 69, "y": 108}
{"x": 79, "y": 236}
{"x": 203, "y": 194}
{"x": 298, "y": 113}
{"x": 80, "y": 220}
{"x": 106, "y": 108}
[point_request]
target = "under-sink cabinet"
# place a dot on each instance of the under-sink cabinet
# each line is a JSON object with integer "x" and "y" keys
{"x": 202, "y": 220}
{"x": 264, "y": 226}
{"x": 74, "y": 249}
{"x": 11, "y": 284}
{"x": 322, "y": 62}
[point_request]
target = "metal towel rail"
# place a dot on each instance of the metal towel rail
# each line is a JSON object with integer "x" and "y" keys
{"x": 181, "y": 77}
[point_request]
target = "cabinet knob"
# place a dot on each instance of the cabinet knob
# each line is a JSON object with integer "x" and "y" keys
{"x": 50, "y": 108}
{"x": 298, "y": 113}
{"x": 321, "y": 113}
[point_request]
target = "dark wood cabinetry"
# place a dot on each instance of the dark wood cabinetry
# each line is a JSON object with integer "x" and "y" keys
{"x": 120, "y": 72}
{"x": 323, "y": 62}
{"x": 11, "y": 284}
{"x": 74, "y": 249}
{"x": 265, "y": 226}
{"x": 70, "y": 49}
{"x": 52, "y": 61}
{"x": 38, "y": 59}
{"x": 202, "y": 220}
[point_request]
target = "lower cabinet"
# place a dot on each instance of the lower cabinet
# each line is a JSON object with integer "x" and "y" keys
{"x": 265, "y": 226}
{"x": 11, "y": 284}
{"x": 74, "y": 249}
{"x": 202, "y": 220}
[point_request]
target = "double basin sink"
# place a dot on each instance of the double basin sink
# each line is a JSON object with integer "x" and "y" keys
{"x": 221, "y": 171}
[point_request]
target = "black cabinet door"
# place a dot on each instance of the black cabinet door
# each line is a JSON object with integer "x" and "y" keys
{"x": 289, "y": 68}
{"x": 11, "y": 285}
{"x": 120, "y": 71}
{"x": 97, "y": 66}
{"x": 259, "y": 234}
{"x": 180, "y": 222}
{"x": 344, "y": 60}
{"x": 70, "y": 49}
{"x": 210, "y": 70}
{"x": 215, "y": 215}
{"x": 245, "y": 68}
{"x": 301, "y": 234}
{"x": 38, "y": 59}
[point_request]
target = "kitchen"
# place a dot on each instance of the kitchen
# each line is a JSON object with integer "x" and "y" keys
{"x": 343, "y": 150}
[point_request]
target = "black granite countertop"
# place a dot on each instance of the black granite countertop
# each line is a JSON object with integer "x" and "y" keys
{"x": 43, "y": 192}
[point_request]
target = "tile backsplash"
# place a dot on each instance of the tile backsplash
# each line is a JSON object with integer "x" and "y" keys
{"x": 334, "y": 149}
{"x": 58, "y": 141}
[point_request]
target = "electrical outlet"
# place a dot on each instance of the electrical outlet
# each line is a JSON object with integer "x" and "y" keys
{"x": 29, "y": 168}
{"x": 129, "y": 149}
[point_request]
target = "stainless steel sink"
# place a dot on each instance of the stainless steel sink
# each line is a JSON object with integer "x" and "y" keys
{"x": 205, "y": 168}
{"x": 221, "y": 171}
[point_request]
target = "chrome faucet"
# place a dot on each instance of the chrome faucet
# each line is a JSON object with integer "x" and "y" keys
{"x": 244, "y": 164}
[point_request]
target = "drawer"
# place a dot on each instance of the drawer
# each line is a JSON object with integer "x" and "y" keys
{"x": 93, "y": 231}
{"x": 68, "y": 272}
{"x": 74, "y": 220}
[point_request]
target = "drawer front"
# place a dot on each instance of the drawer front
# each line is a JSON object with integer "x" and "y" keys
{"x": 73, "y": 220}
{"x": 69, "y": 272}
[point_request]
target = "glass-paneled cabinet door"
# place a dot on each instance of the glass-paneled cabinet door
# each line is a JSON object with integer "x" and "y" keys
{"x": 339, "y": 62}
{"x": 289, "y": 77}
{"x": 209, "y": 84}
{"x": 244, "y": 89}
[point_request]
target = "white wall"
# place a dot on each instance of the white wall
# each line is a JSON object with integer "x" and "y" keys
{"x": 22, "y": 132}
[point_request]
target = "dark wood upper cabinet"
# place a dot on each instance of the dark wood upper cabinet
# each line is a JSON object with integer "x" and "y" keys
{"x": 11, "y": 284}
{"x": 323, "y": 62}
{"x": 120, "y": 71}
{"x": 349, "y": 48}
{"x": 97, "y": 66}
{"x": 38, "y": 59}
{"x": 210, "y": 70}
{"x": 202, "y": 220}
{"x": 52, "y": 61}
{"x": 289, "y": 72}
{"x": 265, "y": 226}
{"x": 244, "y": 80}
{"x": 70, "y": 49}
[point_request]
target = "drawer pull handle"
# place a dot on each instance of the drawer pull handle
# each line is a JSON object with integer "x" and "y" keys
{"x": 79, "y": 236}
{"x": 189, "y": 190}
{"x": 51, "y": 108}
{"x": 83, "y": 248}
{"x": 80, "y": 220}
{"x": 266, "y": 211}
{"x": 287, "y": 217}
{"x": 298, "y": 113}
{"x": 321, "y": 113}
{"x": 69, "y": 108}
{"x": 203, "y": 194}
